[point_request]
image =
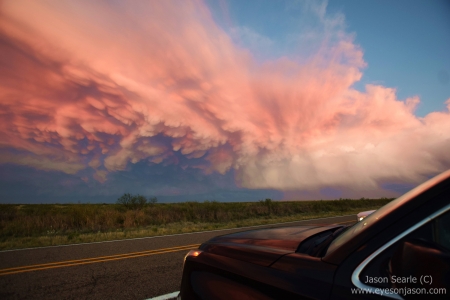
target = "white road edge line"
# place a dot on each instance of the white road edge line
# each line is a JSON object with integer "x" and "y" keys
{"x": 166, "y": 296}
{"x": 176, "y": 234}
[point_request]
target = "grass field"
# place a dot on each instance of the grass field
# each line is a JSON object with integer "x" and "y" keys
{"x": 36, "y": 225}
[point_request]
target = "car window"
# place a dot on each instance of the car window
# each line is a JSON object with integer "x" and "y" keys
{"x": 442, "y": 231}
{"x": 367, "y": 222}
{"x": 436, "y": 231}
{"x": 380, "y": 213}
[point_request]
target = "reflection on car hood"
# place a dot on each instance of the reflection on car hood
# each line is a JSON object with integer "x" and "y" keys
{"x": 262, "y": 246}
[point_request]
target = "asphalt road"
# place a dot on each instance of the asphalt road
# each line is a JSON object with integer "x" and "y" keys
{"x": 127, "y": 269}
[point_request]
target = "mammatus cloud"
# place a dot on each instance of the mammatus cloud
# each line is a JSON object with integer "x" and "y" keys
{"x": 99, "y": 85}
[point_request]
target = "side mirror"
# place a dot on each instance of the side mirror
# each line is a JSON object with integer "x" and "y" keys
{"x": 420, "y": 264}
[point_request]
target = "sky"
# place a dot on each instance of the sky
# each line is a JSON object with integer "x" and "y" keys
{"x": 222, "y": 100}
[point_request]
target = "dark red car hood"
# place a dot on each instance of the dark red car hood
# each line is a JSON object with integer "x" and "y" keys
{"x": 262, "y": 246}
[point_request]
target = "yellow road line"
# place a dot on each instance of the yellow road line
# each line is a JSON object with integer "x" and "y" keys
{"x": 84, "y": 261}
{"x": 70, "y": 263}
{"x": 100, "y": 257}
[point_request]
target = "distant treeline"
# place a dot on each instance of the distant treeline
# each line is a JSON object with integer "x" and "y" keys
{"x": 40, "y": 219}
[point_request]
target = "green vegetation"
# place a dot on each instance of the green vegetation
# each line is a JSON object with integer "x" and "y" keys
{"x": 135, "y": 201}
{"x": 34, "y": 225}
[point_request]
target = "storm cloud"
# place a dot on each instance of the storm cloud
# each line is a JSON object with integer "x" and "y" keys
{"x": 93, "y": 85}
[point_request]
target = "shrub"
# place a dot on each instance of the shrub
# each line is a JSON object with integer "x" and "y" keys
{"x": 135, "y": 202}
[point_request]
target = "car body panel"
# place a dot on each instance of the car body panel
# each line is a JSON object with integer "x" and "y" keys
{"x": 262, "y": 246}
{"x": 235, "y": 279}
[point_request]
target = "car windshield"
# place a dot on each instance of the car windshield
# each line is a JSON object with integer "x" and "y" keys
{"x": 379, "y": 214}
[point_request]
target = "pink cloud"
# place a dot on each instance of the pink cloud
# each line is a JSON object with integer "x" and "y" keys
{"x": 94, "y": 84}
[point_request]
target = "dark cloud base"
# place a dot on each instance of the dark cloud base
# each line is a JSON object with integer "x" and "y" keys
{"x": 22, "y": 184}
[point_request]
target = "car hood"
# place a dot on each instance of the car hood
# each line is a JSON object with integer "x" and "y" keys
{"x": 262, "y": 246}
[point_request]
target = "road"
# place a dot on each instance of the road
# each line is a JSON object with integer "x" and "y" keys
{"x": 127, "y": 269}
